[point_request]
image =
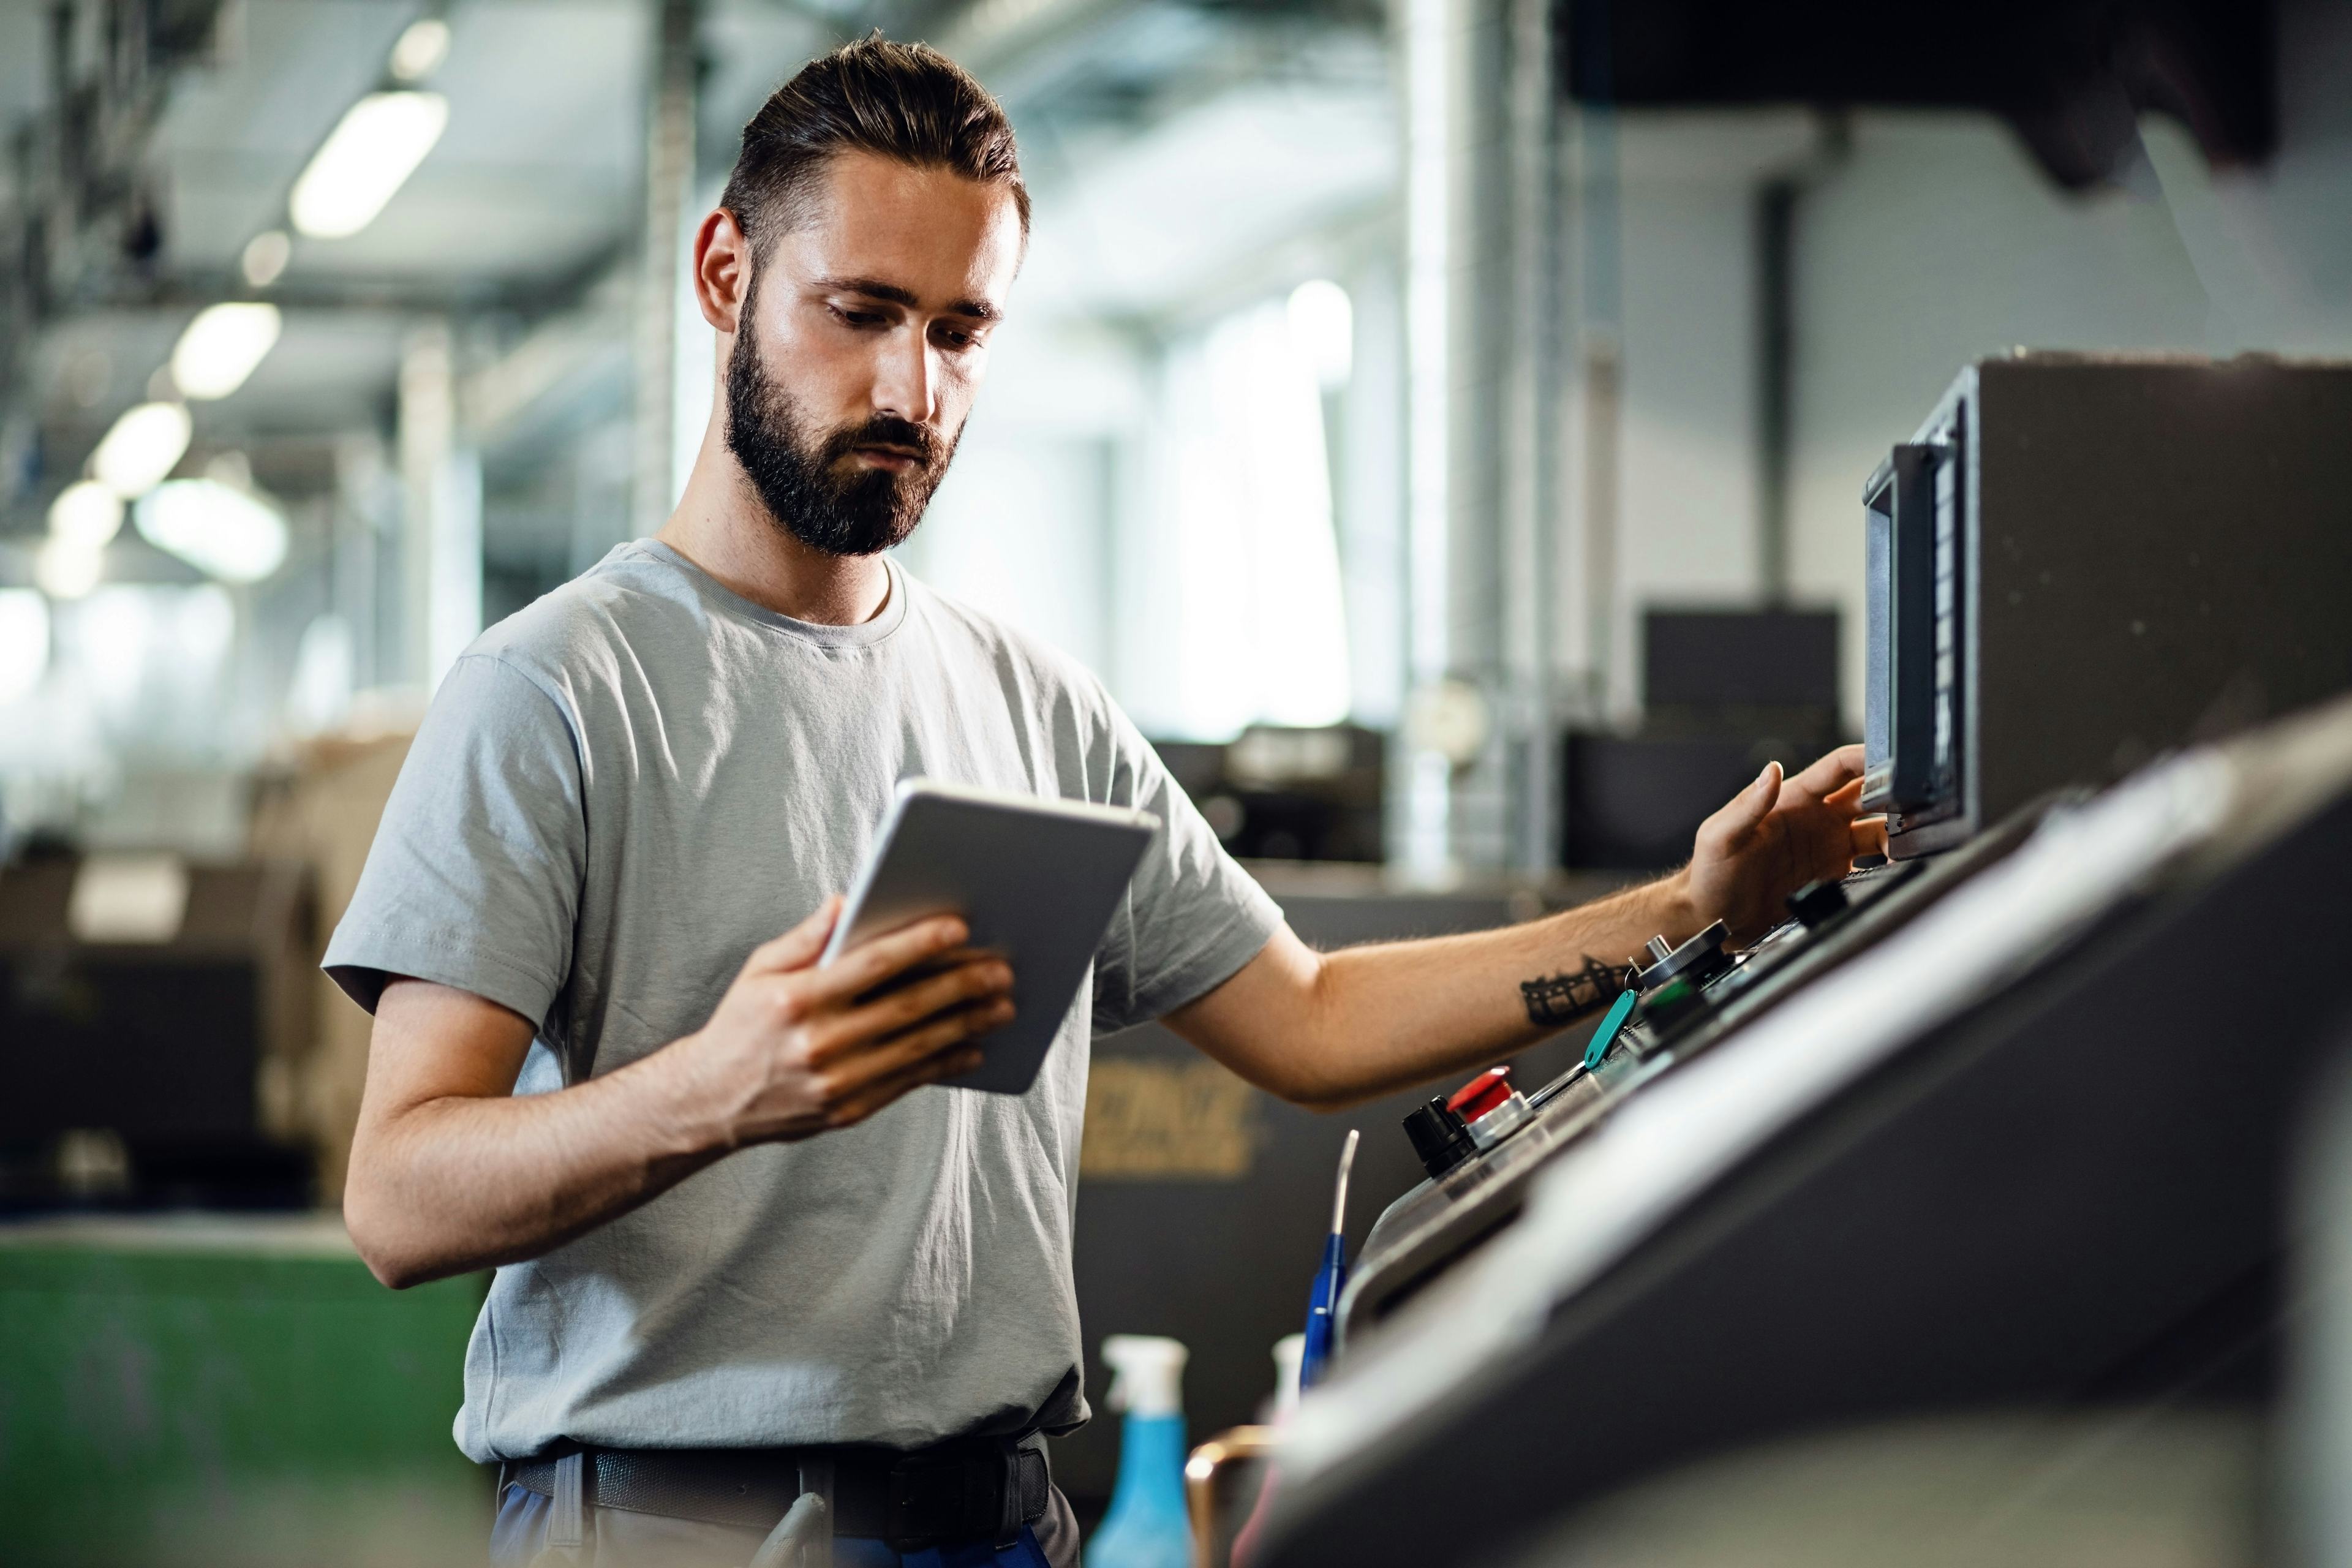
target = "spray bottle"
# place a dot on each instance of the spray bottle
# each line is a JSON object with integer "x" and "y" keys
{"x": 1146, "y": 1527}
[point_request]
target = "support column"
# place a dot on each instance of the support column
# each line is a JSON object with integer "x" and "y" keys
{"x": 1531, "y": 442}
{"x": 669, "y": 178}
{"x": 441, "y": 513}
{"x": 1475, "y": 773}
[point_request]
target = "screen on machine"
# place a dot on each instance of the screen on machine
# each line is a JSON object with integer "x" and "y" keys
{"x": 1878, "y": 670}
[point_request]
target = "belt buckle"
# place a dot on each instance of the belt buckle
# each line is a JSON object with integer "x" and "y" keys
{"x": 930, "y": 1501}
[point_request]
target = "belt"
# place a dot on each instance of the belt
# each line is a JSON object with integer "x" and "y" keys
{"x": 955, "y": 1491}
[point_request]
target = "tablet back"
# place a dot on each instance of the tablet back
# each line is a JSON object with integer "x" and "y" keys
{"x": 1037, "y": 880}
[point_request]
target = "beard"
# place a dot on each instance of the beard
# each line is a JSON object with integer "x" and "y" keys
{"x": 812, "y": 489}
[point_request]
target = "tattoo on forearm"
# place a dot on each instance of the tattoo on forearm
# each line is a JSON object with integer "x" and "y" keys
{"x": 1557, "y": 999}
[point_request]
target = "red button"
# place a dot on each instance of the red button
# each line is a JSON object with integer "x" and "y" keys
{"x": 1481, "y": 1094}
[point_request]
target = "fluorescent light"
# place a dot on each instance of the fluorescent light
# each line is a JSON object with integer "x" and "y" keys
{"x": 24, "y": 642}
{"x": 266, "y": 256}
{"x": 421, "y": 49}
{"x": 221, "y": 347}
{"x": 145, "y": 444}
{"x": 67, "y": 569}
{"x": 215, "y": 528}
{"x": 86, "y": 513}
{"x": 366, "y": 158}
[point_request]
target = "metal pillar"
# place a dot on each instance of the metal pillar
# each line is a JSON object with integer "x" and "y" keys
{"x": 1602, "y": 687}
{"x": 669, "y": 176}
{"x": 441, "y": 512}
{"x": 1530, "y": 445}
{"x": 1476, "y": 776}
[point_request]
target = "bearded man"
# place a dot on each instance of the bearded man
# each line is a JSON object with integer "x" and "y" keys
{"x": 756, "y": 1298}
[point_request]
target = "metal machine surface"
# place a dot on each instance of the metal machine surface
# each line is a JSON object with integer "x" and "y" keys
{"x": 2079, "y": 562}
{"x": 2021, "y": 1143}
{"x": 1857, "y": 1171}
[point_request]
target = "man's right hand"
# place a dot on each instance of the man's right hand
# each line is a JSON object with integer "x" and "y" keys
{"x": 794, "y": 1049}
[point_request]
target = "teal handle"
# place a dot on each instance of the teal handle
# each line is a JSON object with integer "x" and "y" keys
{"x": 1606, "y": 1036}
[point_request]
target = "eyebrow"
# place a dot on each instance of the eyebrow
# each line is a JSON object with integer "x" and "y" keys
{"x": 875, "y": 289}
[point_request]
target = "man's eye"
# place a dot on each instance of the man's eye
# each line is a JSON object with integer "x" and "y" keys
{"x": 956, "y": 338}
{"x": 859, "y": 318}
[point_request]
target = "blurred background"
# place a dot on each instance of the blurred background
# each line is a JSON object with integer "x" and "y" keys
{"x": 1441, "y": 422}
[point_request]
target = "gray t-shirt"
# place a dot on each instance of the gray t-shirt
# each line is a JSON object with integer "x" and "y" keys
{"x": 620, "y": 792}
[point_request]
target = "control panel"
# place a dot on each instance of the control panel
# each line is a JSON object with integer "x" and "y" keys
{"x": 1483, "y": 1143}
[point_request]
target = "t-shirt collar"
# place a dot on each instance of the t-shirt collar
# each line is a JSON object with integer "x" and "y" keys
{"x": 729, "y": 602}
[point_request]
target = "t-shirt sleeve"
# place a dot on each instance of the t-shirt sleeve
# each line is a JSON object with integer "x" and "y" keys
{"x": 1191, "y": 917}
{"x": 474, "y": 878}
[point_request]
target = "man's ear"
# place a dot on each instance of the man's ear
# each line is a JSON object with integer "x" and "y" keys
{"x": 722, "y": 269}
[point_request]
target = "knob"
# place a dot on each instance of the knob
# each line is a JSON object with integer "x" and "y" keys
{"x": 1697, "y": 960}
{"x": 1818, "y": 903}
{"x": 1438, "y": 1136}
{"x": 1481, "y": 1094}
{"x": 1658, "y": 948}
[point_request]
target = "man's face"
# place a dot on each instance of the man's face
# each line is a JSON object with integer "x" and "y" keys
{"x": 860, "y": 347}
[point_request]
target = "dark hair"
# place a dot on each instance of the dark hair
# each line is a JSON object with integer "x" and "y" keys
{"x": 905, "y": 101}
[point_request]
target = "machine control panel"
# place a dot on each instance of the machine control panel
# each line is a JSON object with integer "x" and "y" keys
{"x": 1480, "y": 1114}
{"x": 1483, "y": 1142}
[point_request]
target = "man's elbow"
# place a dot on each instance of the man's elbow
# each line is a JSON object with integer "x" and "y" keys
{"x": 1308, "y": 1084}
{"x": 377, "y": 1237}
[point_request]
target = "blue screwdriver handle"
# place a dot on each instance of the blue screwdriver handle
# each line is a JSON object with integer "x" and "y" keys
{"x": 1322, "y": 1311}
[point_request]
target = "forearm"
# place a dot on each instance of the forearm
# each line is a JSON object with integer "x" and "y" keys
{"x": 1401, "y": 1013}
{"x": 459, "y": 1183}
{"x": 1327, "y": 1030}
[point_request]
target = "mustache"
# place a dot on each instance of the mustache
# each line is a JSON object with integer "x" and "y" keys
{"x": 886, "y": 430}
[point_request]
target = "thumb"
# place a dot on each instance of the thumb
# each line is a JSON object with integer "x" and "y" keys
{"x": 799, "y": 947}
{"x": 1751, "y": 806}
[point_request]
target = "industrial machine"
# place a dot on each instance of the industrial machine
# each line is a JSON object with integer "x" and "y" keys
{"x": 2003, "y": 1122}
{"x": 150, "y": 1009}
{"x": 2079, "y": 562}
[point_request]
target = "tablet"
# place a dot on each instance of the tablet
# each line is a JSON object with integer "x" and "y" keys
{"x": 1037, "y": 880}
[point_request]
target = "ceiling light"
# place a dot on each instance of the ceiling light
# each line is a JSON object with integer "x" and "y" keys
{"x": 215, "y": 528}
{"x": 421, "y": 49}
{"x": 221, "y": 347}
{"x": 24, "y": 642}
{"x": 366, "y": 158}
{"x": 86, "y": 513}
{"x": 67, "y": 569}
{"x": 145, "y": 444}
{"x": 266, "y": 256}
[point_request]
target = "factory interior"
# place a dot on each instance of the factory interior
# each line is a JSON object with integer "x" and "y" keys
{"x": 1702, "y": 650}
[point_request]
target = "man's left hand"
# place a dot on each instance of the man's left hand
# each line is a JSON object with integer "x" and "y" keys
{"x": 1775, "y": 837}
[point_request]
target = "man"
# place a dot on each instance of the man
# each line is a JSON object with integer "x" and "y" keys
{"x": 753, "y": 1292}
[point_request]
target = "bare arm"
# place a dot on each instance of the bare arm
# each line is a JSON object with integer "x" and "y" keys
{"x": 1326, "y": 1029}
{"x": 450, "y": 1171}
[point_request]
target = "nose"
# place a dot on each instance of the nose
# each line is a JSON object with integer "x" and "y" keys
{"x": 907, "y": 381}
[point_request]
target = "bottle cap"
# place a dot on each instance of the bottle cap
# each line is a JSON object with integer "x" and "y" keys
{"x": 1288, "y": 1350}
{"x": 1147, "y": 1373}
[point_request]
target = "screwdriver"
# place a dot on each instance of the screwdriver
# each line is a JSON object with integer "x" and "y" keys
{"x": 1323, "y": 1300}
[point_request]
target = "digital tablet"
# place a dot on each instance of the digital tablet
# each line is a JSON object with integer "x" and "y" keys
{"x": 1037, "y": 880}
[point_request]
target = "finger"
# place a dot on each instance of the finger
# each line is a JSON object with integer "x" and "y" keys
{"x": 870, "y": 964}
{"x": 1749, "y": 807}
{"x": 1831, "y": 771}
{"x": 1869, "y": 834}
{"x": 903, "y": 1009}
{"x": 902, "y": 1053}
{"x": 1845, "y": 798}
{"x": 799, "y": 947}
{"x": 879, "y": 1094}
